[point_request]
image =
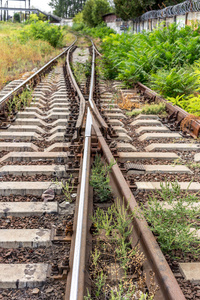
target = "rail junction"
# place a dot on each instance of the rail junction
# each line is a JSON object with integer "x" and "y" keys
{"x": 47, "y": 150}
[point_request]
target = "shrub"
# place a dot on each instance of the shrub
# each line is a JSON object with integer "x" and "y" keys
{"x": 174, "y": 82}
{"x": 43, "y": 31}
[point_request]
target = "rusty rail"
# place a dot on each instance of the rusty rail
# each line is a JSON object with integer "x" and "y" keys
{"x": 193, "y": 126}
{"x": 79, "y": 122}
{"x": 169, "y": 288}
{"x": 92, "y": 104}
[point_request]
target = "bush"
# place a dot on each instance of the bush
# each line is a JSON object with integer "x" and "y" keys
{"x": 166, "y": 59}
{"x": 174, "y": 82}
{"x": 40, "y": 30}
{"x": 17, "y": 17}
{"x": 98, "y": 32}
{"x": 77, "y": 26}
{"x": 136, "y": 56}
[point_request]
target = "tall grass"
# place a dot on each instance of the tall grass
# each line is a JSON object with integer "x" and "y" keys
{"x": 18, "y": 57}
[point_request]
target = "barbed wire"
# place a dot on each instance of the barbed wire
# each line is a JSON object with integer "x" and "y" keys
{"x": 171, "y": 11}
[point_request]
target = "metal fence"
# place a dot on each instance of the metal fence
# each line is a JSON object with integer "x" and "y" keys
{"x": 170, "y": 11}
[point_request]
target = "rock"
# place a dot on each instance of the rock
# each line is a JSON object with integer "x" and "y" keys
{"x": 49, "y": 290}
{"x": 48, "y": 195}
{"x": 64, "y": 204}
{"x": 35, "y": 291}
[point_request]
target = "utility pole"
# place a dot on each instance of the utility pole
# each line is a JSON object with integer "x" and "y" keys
{"x": 1, "y": 11}
{"x": 7, "y": 10}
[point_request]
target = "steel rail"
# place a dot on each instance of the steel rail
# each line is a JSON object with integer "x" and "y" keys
{"x": 92, "y": 104}
{"x": 81, "y": 98}
{"x": 169, "y": 288}
{"x": 77, "y": 275}
{"x": 30, "y": 79}
{"x": 97, "y": 51}
{"x": 194, "y": 126}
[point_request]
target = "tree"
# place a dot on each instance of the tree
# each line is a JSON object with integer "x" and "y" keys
{"x": 78, "y": 19}
{"x": 87, "y": 13}
{"x": 93, "y": 11}
{"x": 66, "y": 8}
{"x": 42, "y": 17}
{"x": 16, "y": 17}
{"x": 128, "y": 9}
{"x": 100, "y": 8}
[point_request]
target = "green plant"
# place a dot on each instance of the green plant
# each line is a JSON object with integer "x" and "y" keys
{"x": 99, "y": 179}
{"x": 133, "y": 113}
{"x": 81, "y": 70}
{"x": 93, "y": 11}
{"x": 154, "y": 109}
{"x": 26, "y": 97}
{"x": 174, "y": 82}
{"x": 173, "y": 224}
{"x": 167, "y": 59}
{"x": 67, "y": 187}
{"x": 17, "y": 17}
{"x": 40, "y": 30}
{"x": 116, "y": 247}
{"x": 149, "y": 109}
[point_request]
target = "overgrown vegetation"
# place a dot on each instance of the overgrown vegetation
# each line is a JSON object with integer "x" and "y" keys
{"x": 19, "y": 102}
{"x": 93, "y": 11}
{"x": 166, "y": 59}
{"x": 99, "y": 31}
{"x": 99, "y": 179}
{"x": 81, "y": 70}
{"x": 174, "y": 220}
{"x": 115, "y": 263}
{"x": 39, "y": 30}
{"x": 149, "y": 109}
{"x": 20, "y": 50}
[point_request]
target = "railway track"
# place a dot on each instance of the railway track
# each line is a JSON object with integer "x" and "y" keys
{"x": 46, "y": 233}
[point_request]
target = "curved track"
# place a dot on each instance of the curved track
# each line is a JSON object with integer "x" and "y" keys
{"x": 46, "y": 159}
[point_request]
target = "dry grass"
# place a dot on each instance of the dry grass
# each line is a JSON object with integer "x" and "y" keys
{"x": 17, "y": 58}
{"x": 126, "y": 102}
{"x": 83, "y": 42}
{"x": 68, "y": 38}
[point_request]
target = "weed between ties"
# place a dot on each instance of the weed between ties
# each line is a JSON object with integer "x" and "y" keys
{"x": 20, "y": 102}
{"x": 115, "y": 267}
{"x": 153, "y": 109}
{"x": 174, "y": 219}
{"x": 67, "y": 188}
{"x": 99, "y": 179}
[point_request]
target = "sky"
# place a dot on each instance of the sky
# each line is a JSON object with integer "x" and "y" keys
{"x": 40, "y": 4}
